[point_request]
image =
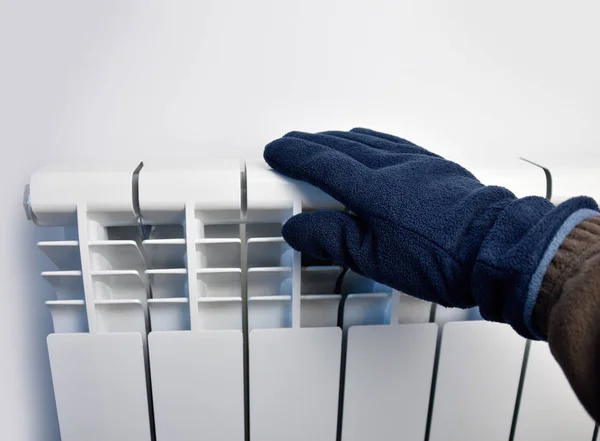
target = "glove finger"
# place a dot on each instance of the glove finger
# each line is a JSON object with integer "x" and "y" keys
{"x": 371, "y": 157}
{"x": 337, "y": 174}
{"x": 380, "y": 143}
{"x": 332, "y": 235}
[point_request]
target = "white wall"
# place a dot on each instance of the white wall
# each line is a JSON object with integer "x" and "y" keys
{"x": 478, "y": 81}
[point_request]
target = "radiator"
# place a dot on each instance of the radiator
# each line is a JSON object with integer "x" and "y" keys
{"x": 181, "y": 314}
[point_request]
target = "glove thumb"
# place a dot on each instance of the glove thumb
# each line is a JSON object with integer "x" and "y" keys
{"x": 332, "y": 235}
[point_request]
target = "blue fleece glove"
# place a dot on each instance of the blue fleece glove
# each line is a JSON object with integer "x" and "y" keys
{"x": 422, "y": 224}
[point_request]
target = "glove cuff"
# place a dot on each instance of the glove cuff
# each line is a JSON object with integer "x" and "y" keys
{"x": 516, "y": 254}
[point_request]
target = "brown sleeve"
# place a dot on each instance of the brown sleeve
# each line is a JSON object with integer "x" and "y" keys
{"x": 567, "y": 311}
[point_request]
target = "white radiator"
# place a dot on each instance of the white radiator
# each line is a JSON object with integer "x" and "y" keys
{"x": 181, "y": 314}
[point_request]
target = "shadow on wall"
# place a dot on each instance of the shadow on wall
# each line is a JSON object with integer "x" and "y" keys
{"x": 35, "y": 293}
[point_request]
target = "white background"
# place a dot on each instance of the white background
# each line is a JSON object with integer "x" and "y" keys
{"x": 477, "y": 81}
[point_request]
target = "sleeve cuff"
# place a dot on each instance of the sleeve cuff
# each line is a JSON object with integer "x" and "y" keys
{"x": 548, "y": 258}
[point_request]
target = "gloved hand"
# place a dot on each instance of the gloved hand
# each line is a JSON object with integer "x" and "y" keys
{"x": 424, "y": 225}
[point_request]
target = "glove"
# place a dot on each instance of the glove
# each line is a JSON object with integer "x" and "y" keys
{"x": 424, "y": 225}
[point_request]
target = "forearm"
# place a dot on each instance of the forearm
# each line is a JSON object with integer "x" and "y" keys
{"x": 567, "y": 311}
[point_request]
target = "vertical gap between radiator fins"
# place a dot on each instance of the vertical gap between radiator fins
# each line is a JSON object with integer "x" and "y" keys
{"x": 548, "y": 175}
{"x": 548, "y": 183}
{"x": 513, "y": 425}
{"x": 432, "y": 312}
{"x": 344, "y": 351}
{"x": 150, "y": 396}
{"x": 340, "y": 323}
{"x": 595, "y": 435}
{"x": 342, "y": 388}
{"x": 436, "y": 360}
{"x": 135, "y": 190}
{"x": 135, "y": 201}
{"x": 245, "y": 330}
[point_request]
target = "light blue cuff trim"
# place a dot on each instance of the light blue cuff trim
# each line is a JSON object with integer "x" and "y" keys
{"x": 536, "y": 281}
